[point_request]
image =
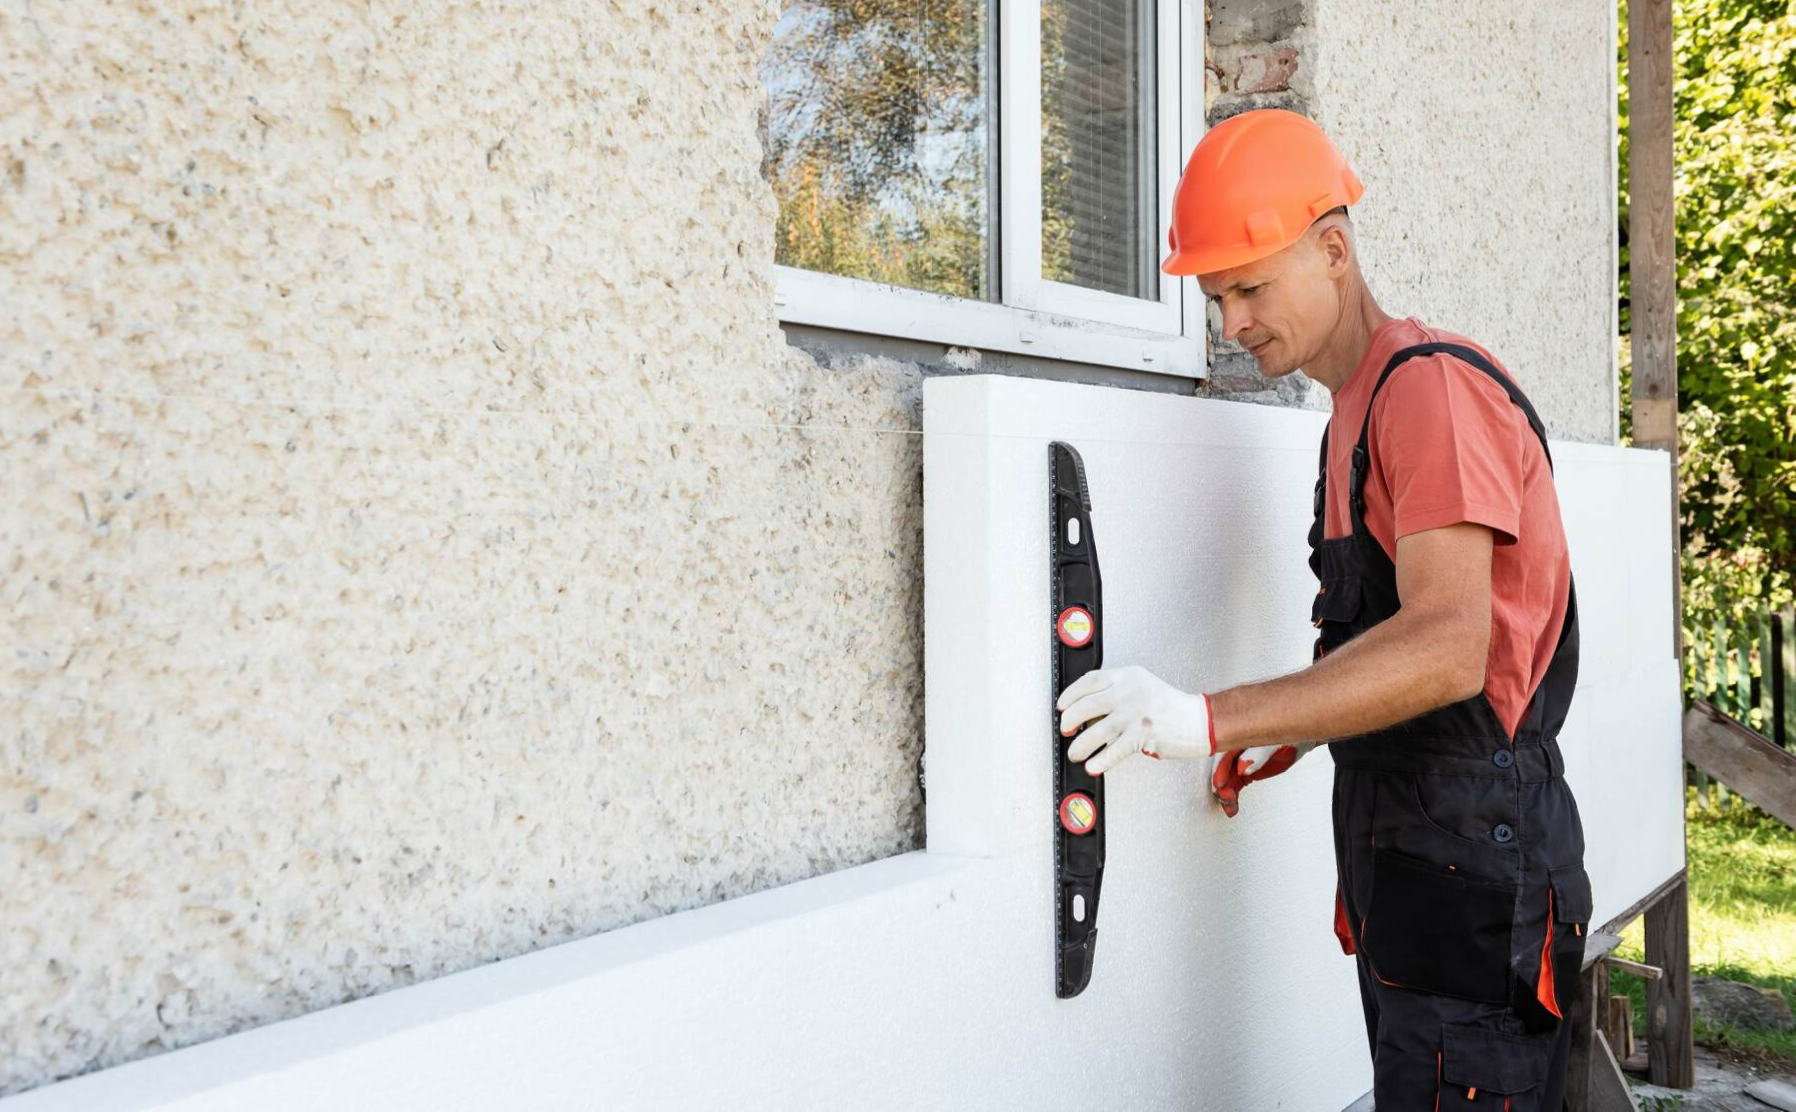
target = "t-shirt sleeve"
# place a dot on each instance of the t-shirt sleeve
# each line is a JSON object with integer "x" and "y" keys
{"x": 1452, "y": 448}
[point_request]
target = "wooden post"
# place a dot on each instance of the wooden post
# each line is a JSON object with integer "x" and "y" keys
{"x": 1653, "y": 315}
{"x": 1671, "y": 1057}
{"x": 1652, "y": 267}
{"x": 1584, "y": 1060}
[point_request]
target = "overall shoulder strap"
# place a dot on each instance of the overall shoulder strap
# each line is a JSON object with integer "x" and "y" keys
{"x": 1470, "y": 356}
{"x": 1547, "y": 705}
{"x": 1318, "y": 502}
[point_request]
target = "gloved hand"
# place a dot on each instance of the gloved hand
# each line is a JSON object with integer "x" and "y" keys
{"x": 1234, "y": 770}
{"x": 1132, "y": 710}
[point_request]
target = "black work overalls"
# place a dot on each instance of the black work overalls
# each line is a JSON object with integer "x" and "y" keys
{"x": 1458, "y": 850}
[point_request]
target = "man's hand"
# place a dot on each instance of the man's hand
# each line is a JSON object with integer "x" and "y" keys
{"x": 1234, "y": 770}
{"x": 1131, "y": 710}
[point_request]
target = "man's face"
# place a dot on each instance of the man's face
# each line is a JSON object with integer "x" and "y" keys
{"x": 1278, "y": 308}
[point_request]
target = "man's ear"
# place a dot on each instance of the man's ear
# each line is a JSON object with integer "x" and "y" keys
{"x": 1336, "y": 247}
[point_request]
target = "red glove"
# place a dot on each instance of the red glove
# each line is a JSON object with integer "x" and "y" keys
{"x": 1234, "y": 770}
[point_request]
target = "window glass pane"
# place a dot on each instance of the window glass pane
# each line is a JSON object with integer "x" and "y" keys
{"x": 879, "y": 140}
{"x": 1099, "y": 206}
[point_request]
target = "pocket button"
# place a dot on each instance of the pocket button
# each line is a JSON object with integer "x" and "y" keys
{"x": 1503, "y": 758}
{"x": 1503, "y": 833}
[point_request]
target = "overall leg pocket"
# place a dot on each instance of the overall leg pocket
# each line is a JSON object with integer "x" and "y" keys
{"x": 1486, "y": 1069}
{"x": 1434, "y": 929}
{"x": 1561, "y": 952}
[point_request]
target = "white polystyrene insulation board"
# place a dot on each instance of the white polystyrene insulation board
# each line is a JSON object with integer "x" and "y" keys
{"x": 1200, "y": 515}
{"x": 925, "y": 981}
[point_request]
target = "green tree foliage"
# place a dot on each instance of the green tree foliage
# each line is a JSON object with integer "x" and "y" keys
{"x": 1735, "y": 196}
{"x": 878, "y": 141}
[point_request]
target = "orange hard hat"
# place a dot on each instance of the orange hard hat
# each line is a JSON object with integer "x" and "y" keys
{"x": 1254, "y": 184}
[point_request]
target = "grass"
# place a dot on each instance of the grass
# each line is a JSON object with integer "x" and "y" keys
{"x": 1742, "y": 920}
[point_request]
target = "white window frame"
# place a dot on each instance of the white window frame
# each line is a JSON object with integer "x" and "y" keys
{"x": 1038, "y": 316}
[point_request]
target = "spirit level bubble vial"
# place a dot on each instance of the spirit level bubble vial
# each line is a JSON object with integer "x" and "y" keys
{"x": 1078, "y": 814}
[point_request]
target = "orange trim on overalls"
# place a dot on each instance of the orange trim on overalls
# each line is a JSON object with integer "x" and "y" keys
{"x": 1543, "y": 988}
{"x": 1343, "y": 928}
{"x": 1375, "y": 974}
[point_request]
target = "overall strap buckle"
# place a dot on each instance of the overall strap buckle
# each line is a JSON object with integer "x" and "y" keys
{"x": 1356, "y": 488}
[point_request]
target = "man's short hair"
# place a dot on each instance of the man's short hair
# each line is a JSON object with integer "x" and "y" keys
{"x": 1314, "y": 224}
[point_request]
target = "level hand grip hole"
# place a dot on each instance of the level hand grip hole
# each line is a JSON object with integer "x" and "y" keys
{"x": 1072, "y": 532}
{"x": 1078, "y": 909}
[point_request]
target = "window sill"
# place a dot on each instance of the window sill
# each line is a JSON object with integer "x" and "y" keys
{"x": 849, "y": 305}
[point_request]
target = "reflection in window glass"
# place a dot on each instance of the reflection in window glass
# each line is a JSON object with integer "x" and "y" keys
{"x": 1098, "y": 197}
{"x": 879, "y": 140}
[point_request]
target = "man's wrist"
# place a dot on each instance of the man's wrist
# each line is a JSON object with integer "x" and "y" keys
{"x": 1210, "y": 721}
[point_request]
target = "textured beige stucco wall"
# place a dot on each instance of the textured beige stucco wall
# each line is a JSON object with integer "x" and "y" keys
{"x": 403, "y": 565}
{"x": 1484, "y": 134}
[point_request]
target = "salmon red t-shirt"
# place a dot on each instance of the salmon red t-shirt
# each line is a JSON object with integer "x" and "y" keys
{"x": 1446, "y": 446}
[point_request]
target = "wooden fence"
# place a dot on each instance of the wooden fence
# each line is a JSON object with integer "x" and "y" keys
{"x": 1745, "y": 671}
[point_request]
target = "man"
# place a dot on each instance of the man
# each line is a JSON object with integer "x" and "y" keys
{"x": 1447, "y": 652}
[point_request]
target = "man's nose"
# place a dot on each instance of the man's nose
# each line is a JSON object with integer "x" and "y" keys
{"x": 1234, "y": 322}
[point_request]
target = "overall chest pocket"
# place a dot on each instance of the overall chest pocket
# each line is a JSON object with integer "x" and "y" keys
{"x": 1337, "y": 600}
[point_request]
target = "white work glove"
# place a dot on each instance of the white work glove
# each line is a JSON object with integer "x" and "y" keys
{"x": 1131, "y": 710}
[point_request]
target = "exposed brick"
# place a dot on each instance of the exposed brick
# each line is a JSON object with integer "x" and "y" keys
{"x": 1233, "y": 21}
{"x": 1266, "y": 71}
{"x": 1238, "y": 378}
{"x": 1214, "y": 82}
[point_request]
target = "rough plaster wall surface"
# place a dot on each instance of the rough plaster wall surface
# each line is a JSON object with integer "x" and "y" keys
{"x": 408, "y": 556}
{"x": 1483, "y": 134}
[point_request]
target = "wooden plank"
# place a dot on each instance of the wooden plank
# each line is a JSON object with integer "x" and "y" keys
{"x": 1671, "y": 1056}
{"x": 1743, "y": 759}
{"x": 1614, "y": 1023}
{"x": 1609, "y": 1090}
{"x": 1650, "y": 972}
{"x": 1599, "y": 944}
{"x": 1593, "y": 1079}
{"x": 1593, "y": 987}
{"x": 1620, "y": 923}
{"x": 1652, "y": 264}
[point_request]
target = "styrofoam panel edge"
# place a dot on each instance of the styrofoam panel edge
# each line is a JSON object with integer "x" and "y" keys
{"x": 956, "y": 819}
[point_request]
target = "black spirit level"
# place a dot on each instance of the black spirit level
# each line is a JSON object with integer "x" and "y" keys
{"x": 1077, "y": 619}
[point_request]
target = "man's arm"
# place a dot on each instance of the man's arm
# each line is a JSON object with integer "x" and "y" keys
{"x": 1430, "y": 653}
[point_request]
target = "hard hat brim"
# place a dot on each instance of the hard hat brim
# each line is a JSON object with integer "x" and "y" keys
{"x": 1192, "y": 262}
